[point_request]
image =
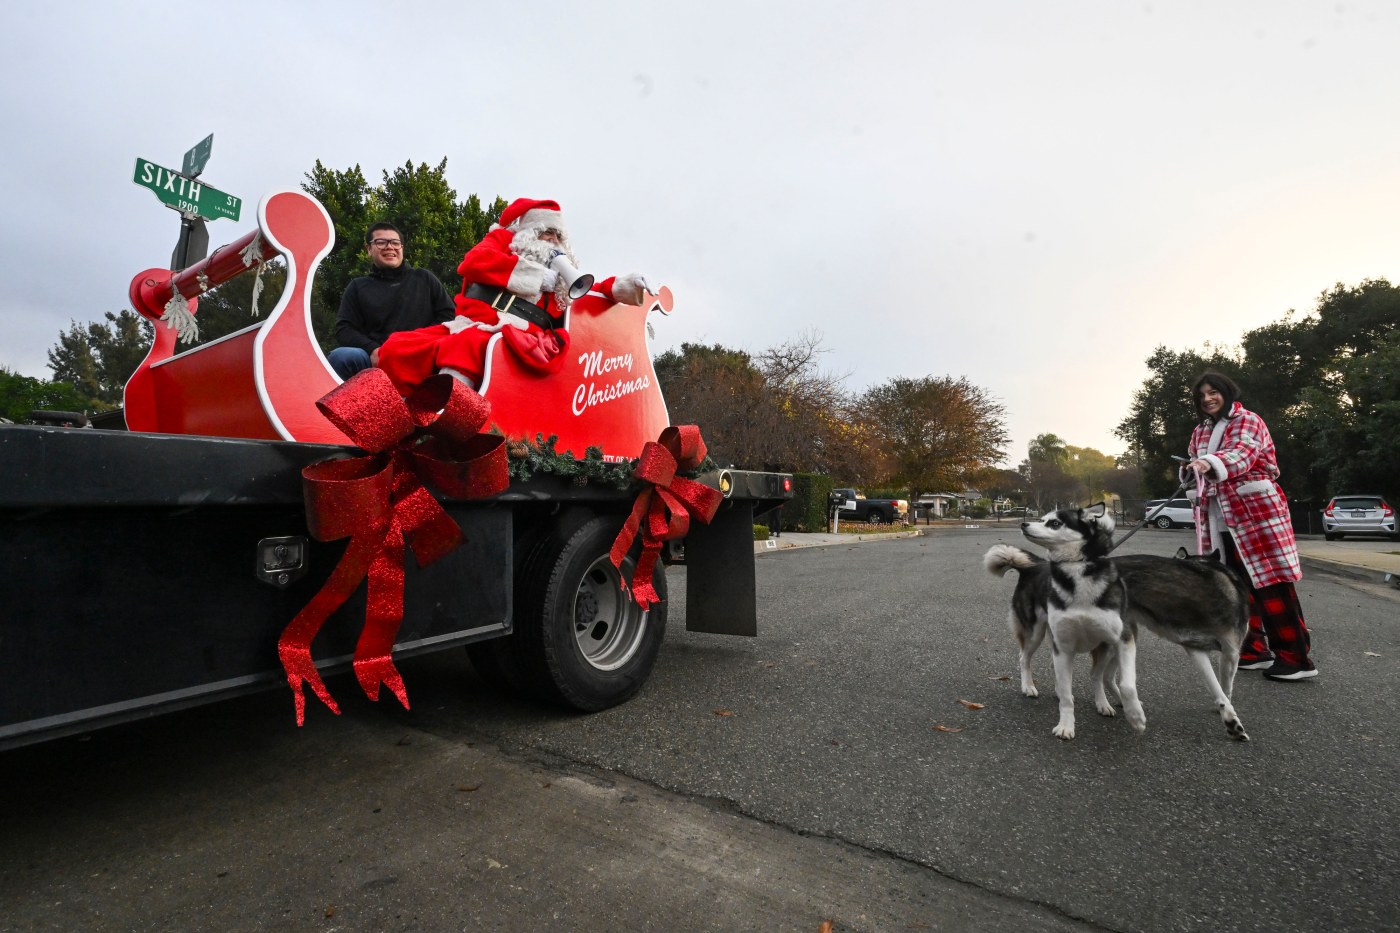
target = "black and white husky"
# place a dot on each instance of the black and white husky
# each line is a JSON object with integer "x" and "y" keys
{"x": 1089, "y": 602}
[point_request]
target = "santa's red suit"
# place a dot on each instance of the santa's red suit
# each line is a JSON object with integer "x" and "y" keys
{"x": 503, "y": 291}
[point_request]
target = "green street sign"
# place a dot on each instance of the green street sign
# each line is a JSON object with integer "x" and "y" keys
{"x": 198, "y": 157}
{"x": 185, "y": 194}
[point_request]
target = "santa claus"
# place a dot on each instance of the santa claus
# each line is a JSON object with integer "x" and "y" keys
{"x": 508, "y": 288}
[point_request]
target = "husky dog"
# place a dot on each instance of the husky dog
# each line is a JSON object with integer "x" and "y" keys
{"x": 1079, "y": 598}
{"x": 1196, "y": 603}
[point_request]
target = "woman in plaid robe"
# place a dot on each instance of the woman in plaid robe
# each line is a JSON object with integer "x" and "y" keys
{"x": 1241, "y": 511}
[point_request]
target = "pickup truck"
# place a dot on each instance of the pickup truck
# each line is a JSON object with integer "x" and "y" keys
{"x": 857, "y": 508}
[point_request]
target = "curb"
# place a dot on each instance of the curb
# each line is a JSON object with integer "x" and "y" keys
{"x": 1350, "y": 571}
{"x": 775, "y": 545}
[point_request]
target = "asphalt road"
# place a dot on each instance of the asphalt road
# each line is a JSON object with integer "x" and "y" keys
{"x": 759, "y": 784}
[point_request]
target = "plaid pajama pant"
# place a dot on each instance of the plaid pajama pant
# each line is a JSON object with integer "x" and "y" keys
{"x": 1276, "y": 625}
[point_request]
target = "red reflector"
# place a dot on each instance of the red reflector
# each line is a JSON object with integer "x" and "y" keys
{"x": 787, "y": 484}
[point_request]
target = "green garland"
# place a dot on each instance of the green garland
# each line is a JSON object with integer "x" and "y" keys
{"x": 528, "y": 460}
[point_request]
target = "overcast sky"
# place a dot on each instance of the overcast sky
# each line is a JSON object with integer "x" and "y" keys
{"x": 1031, "y": 194}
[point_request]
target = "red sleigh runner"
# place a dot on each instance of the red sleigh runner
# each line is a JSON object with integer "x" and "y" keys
{"x": 264, "y": 381}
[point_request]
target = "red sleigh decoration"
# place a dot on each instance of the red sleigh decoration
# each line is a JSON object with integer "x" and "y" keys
{"x": 264, "y": 381}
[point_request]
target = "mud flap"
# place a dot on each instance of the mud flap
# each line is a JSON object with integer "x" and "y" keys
{"x": 720, "y": 590}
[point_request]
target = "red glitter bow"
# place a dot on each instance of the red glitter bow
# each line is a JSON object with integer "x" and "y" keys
{"x": 379, "y": 501}
{"x": 663, "y": 510}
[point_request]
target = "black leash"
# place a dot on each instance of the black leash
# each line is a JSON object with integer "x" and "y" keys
{"x": 1155, "y": 512}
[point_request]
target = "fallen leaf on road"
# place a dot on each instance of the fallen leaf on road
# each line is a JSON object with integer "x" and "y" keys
{"x": 826, "y": 927}
{"x": 1372, "y": 654}
{"x": 492, "y": 863}
{"x": 330, "y": 912}
{"x": 1000, "y": 677}
{"x": 943, "y": 728}
{"x": 971, "y": 705}
{"x": 724, "y": 712}
{"x": 467, "y": 789}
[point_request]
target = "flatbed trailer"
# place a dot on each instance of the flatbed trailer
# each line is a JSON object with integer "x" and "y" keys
{"x": 152, "y": 569}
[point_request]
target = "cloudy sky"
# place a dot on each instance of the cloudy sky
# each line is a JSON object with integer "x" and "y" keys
{"x": 1030, "y": 194}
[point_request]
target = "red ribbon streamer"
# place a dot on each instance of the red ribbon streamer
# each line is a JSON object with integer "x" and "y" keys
{"x": 663, "y": 510}
{"x": 379, "y": 502}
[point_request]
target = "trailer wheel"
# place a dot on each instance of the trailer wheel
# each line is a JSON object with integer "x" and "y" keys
{"x": 579, "y": 639}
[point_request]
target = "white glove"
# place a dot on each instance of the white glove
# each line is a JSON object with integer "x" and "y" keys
{"x": 630, "y": 289}
{"x": 551, "y": 279}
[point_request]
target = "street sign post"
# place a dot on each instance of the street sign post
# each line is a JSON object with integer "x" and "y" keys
{"x": 182, "y": 193}
{"x": 198, "y": 157}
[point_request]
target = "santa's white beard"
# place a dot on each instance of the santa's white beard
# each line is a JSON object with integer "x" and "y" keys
{"x": 527, "y": 244}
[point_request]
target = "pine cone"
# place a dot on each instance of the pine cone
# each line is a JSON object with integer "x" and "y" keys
{"x": 517, "y": 450}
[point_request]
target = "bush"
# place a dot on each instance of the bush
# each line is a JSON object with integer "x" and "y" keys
{"x": 760, "y": 532}
{"x": 807, "y": 509}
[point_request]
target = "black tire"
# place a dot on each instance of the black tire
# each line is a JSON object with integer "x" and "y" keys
{"x": 578, "y": 638}
{"x": 876, "y": 517}
{"x": 1330, "y": 537}
{"x": 1163, "y": 522}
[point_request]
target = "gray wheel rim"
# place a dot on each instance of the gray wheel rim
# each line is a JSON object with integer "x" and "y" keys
{"x": 608, "y": 626}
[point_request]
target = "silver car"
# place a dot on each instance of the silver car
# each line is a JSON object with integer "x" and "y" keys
{"x": 1358, "y": 515}
{"x": 1177, "y": 514}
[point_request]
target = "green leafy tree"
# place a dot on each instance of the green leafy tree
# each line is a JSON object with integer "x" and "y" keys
{"x": 1325, "y": 385}
{"x": 437, "y": 228}
{"x": 97, "y": 359}
{"x": 20, "y": 395}
{"x": 1091, "y": 471}
{"x": 1162, "y": 416}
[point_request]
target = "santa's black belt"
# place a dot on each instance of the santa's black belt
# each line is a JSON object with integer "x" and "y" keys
{"x": 511, "y": 303}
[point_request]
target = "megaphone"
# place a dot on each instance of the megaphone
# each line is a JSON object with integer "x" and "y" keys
{"x": 579, "y": 282}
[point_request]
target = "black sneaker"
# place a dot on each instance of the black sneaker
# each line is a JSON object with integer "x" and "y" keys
{"x": 1259, "y": 664}
{"x": 1281, "y": 671}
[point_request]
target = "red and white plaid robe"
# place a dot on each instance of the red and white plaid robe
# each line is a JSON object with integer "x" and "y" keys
{"x": 1242, "y": 477}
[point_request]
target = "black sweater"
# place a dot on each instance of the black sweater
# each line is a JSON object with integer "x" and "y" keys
{"x": 387, "y": 301}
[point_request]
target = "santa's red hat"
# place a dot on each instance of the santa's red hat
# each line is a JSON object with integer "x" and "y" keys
{"x": 527, "y": 212}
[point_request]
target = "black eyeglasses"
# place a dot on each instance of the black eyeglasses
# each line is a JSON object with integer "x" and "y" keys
{"x": 386, "y": 244}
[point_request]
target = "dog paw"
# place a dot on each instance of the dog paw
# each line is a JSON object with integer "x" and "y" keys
{"x": 1029, "y": 690}
{"x": 1063, "y": 732}
{"x": 1106, "y": 709}
{"x": 1138, "y": 722}
{"x": 1236, "y": 730}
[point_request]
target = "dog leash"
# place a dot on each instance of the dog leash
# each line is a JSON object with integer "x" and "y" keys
{"x": 1148, "y": 518}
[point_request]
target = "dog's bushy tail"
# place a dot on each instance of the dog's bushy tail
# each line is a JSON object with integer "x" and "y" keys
{"x": 1003, "y": 557}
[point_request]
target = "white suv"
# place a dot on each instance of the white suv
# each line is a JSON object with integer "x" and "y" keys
{"x": 1177, "y": 514}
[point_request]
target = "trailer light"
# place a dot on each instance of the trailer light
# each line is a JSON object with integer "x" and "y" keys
{"x": 787, "y": 484}
{"x": 281, "y": 561}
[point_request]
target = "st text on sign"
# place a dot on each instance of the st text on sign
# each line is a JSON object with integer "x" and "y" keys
{"x": 185, "y": 194}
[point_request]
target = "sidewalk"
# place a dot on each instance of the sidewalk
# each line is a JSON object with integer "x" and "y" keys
{"x": 1380, "y": 565}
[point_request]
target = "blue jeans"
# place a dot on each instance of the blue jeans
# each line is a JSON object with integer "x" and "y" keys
{"x": 346, "y": 361}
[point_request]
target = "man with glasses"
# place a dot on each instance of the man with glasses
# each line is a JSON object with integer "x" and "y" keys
{"x": 393, "y": 297}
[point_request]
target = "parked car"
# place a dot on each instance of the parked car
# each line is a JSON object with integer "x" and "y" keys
{"x": 1177, "y": 514}
{"x": 1358, "y": 515}
{"x": 857, "y": 508}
